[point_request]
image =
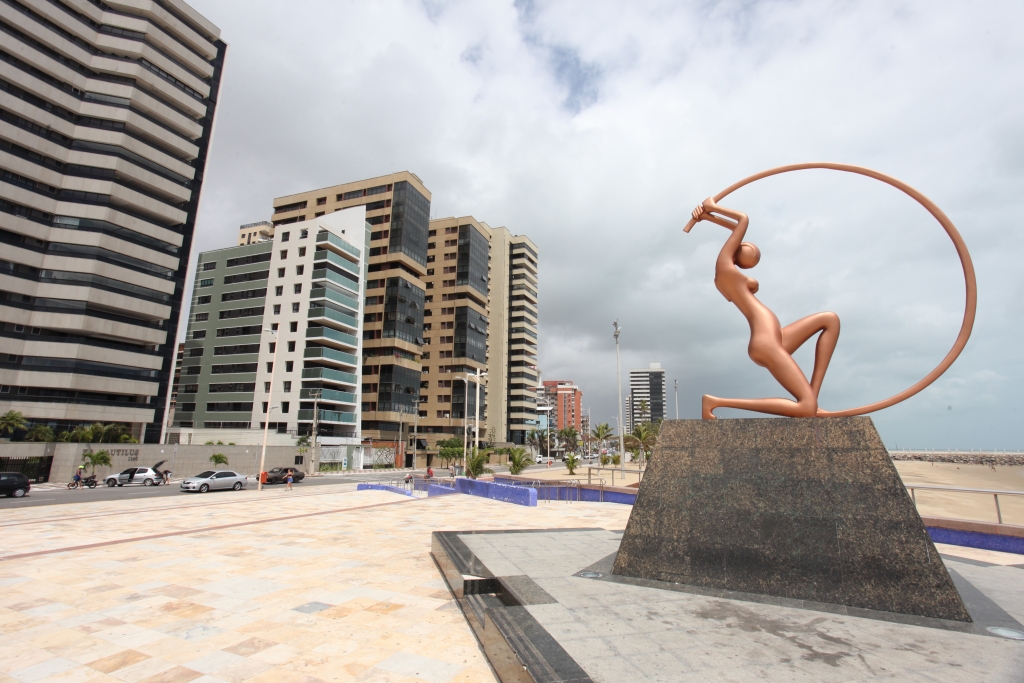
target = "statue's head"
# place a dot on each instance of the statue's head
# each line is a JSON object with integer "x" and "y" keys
{"x": 748, "y": 255}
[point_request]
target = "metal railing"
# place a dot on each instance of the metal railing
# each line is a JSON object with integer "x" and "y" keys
{"x": 613, "y": 470}
{"x": 995, "y": 494}
{"x": 551, "y": 489}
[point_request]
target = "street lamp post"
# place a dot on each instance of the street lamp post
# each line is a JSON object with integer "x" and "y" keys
{"x": 476, "y": 427}
{"x": 270, "y": 399}
{"x": 618, "y": 382}
{"x": 465, "y": 424}
{"x": 677, "y": 397}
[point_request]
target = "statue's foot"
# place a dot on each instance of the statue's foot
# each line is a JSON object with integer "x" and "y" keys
{"x": 707, "y": 404}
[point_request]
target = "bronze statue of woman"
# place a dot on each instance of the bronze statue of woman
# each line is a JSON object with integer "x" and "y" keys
{"x": 771, "y": 345}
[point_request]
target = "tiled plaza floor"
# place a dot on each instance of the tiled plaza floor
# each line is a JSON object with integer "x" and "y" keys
{"x": 269, "y": 587}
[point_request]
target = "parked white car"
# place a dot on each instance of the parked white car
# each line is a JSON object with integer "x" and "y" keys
{"x": 215, "y": 479}
{"x": 146, "y": 476}
{"x": 543, "y": 460}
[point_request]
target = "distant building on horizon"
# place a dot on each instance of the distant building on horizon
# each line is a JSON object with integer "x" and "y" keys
{"x": 646, "y": 399}
{"x": 565, "y": 399}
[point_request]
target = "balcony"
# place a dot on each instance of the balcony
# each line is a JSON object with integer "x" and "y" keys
{"x": 331, "y": 356}
{"x": 329, "y": 375}
{"x": 336, "y": 297}
{"x": 326, "y": 240}
{"x": 324, "y": 274}
{"x": 328, "y": 416}
{"x": 322, "y": 256}
{"x": 327, "y": 315}
{"x": 328, "y": 395}
{"x": 327, "y": 336}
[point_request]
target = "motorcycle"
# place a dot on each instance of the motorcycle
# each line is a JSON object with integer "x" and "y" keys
{"x": 89, "y": 481}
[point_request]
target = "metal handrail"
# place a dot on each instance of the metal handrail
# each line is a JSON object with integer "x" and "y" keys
{"x": 613, "y": 470}
{"x": 995, "y": 494}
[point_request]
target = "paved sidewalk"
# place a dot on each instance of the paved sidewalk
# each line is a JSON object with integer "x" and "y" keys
{"x": 277, "y": 587}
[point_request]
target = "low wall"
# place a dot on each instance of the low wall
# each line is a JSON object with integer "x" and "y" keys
{"x": 183, "y": 461}
{"x": 593, "y": 493}
{"x": 436, "y": 490}
{"x": 518, "y": 495}
{"x": 1006, "y": 538}
{"x": 382, "y": 487}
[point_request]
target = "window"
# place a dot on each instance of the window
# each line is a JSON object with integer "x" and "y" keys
{"x": 287, "y": 387}
{"x": 199, "y": 334}
{"x": 432, "y": 233}
{"x": 195, "y": 352}
{"x": 202, "y": 316}
{"x": 298, "y": 288}
{"x": 273, "y": 327}
{"x": 285, "y": 236}
{"x": 293, "y": 326}
{"x": 448, "y": 269}
{"x": 321, "y": 201}
{"x": 425, "y": 369}
{"x": 289, "y": 366}
{"x": 284, "y": 407}
{"x": 431, "y": 245}
{"x": 284, "y": 253}
{"x": 430, "y": 258}
{"x": 270, "y": 367}
{"x": 298, "y": 459}
{"x": 208, "y": 282}
{"x": 444, "y": 413}
{"x": 280, "y": 272}
{"x": 291, "y": 346}
{"x": 279, "y": 290}
{"x": 190, "y": 389}
{"x": 266, "y": 390}
{"x": 451, "y": 243}
{"x": 277, "y": 309}
{"x": 295, "y": 307}
{"x": 203, "y": 299}
{"x": 303, "y": 234}
{"x": 299, "y": 270}
{"x": 430, "y": 271}
{"x": 272, "y": 346}
{"x": 210, "y": 266}
{"x": 264, "y": 406}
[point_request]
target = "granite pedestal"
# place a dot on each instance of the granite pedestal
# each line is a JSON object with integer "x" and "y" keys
{"x": 805, "y": 509}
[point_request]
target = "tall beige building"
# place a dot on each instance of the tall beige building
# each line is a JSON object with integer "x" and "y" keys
{"x": 398, "y": 212}
{"x": 444, "y": 299}
{"x": 106, "y": 114}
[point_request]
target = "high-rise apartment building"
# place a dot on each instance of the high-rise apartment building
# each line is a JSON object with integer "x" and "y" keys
{"x": 512, "y": 367}
{"x": 566, "y": 401}
{"x": 397, "y": 208}
{"x": 646, "y": 400}
{"x": 456, "y": 332}
{"x": 274, "y": 336}
{"x": 443, "y": 299}
{"x": 105, "y": 121}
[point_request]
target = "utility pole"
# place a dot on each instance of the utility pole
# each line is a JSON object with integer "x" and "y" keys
{"x": 677, "y": 397}
{"x": 316, "y": 428}
{"x": 266, "y": 423}
{"x": 618, "y": 382}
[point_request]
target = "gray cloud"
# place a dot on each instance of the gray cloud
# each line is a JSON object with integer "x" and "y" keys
{"x": 596, "y": 126}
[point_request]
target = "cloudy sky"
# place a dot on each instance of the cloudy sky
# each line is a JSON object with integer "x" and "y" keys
{"x": 595, "y": 126}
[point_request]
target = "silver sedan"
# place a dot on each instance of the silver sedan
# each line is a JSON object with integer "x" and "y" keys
{"x": 207, "y": 481}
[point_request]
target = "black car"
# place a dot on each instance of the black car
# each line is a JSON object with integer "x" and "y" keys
{"x": 278, "y": 474}
{"x": 14, "y": 484}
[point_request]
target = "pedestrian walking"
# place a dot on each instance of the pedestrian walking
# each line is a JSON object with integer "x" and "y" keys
{"x": 430, "y": 472}
{"x": 288, "y": 480}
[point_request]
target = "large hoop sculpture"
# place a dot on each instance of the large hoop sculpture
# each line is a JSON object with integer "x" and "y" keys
{"x": 970, "y": 282}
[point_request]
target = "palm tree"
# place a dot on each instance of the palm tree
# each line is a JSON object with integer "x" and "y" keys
{"x": 101, "y": 458}
{"x": 39, "y": 433}
{"x": 601, "y": 433}
{"x": 642, "y": 439}
{"x": 572, "y": 461}
{"x": 476, "y": 461}
{"x": 518, "y": 460}
{"x": 643, "y": 408}
{"x": 219, "y": 459}
{"x": 11, "y": 421}
{"x": 569, "y": 438}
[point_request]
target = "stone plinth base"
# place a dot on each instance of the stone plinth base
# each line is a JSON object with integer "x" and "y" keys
{"x": 807, "y": 509}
